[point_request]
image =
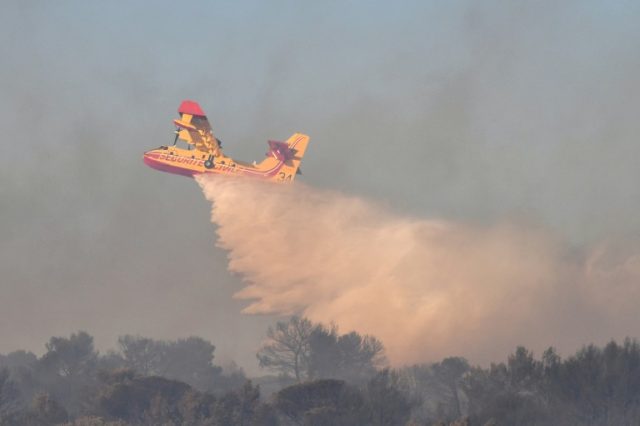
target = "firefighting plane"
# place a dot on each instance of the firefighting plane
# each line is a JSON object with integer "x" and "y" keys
{"x": 203, "y": 152}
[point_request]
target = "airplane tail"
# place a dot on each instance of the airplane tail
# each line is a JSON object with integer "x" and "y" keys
{"x": 298, "y": 146}
{"x": 291, "y": 152}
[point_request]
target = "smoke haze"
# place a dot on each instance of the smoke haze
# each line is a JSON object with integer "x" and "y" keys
{"x": 427, "y": 288}
{"x": 465, "y": 110}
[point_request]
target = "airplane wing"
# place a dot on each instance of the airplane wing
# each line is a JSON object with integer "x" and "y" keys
{"x": 195, "y": 128}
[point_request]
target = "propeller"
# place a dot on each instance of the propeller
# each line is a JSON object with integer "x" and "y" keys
{"x": 177, "y": 132}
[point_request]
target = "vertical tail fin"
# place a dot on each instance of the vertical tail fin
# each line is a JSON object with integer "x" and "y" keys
{"x": 287, "y": 156}
{"x": 297, "y": 145}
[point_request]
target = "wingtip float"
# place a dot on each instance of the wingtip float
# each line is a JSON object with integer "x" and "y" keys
{"x": 203, "y": 152}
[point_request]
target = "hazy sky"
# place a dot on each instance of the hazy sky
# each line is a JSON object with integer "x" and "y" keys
{"x": 465, "y": 110}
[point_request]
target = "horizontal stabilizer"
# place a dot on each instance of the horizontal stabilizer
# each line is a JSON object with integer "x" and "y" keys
{"x": 280, "y": 150}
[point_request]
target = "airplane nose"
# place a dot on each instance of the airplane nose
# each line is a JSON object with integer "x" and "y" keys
{"x": 147, "y": 157}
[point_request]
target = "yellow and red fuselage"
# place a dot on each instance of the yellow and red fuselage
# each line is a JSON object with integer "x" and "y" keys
{"x": 190, "y": 162}
{"x": 205, "y": 155}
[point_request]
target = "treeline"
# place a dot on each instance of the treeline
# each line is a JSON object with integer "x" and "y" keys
{"x": 321, "y": 377}
{"x": 72, "y": 379}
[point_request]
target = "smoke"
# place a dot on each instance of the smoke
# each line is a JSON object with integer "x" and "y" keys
{"x": 500, "y": 106}
{"x": 427, "y": 288}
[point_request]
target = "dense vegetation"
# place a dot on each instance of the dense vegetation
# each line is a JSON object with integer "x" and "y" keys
{"x": 322, "y": 378}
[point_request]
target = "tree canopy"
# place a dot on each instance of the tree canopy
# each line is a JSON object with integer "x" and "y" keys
{"x": 342, "y": 380}
{"x": 306, "y": 351}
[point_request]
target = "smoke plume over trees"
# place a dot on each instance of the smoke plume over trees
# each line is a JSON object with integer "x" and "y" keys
{"x": 427, "y": 288}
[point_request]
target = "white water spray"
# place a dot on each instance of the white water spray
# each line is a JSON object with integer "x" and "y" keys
{"x": 428, "y": 289}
